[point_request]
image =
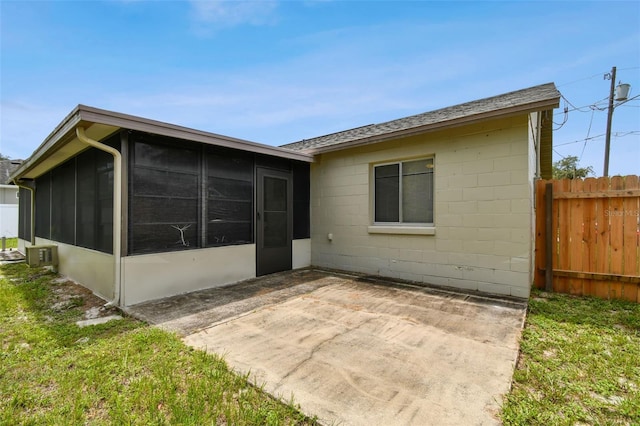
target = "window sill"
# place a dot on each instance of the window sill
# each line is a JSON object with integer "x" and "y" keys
{"x": 404, "y": 230}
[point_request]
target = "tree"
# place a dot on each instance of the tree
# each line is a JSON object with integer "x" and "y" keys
{"x": 3, "y": 157}
{"x": 567, "y": 168}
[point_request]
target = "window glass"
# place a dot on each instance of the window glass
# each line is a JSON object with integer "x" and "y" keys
{"x": 403, "y": 192}
{"x": 417, "y": 197}
{"x": 387, "y": 193}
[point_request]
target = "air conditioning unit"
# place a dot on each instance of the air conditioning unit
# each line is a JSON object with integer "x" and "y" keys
{"x": 41, "y": 256}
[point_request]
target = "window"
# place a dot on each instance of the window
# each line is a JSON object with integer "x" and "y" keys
{"x": 63, "y": 202}
{"x": 94, "y": 192}
{"x": 403, "y": 192}
{"x": 164, "y": 203}
{"x": 229, "y": 197}
{"x": 43, "y": 206}
{"x": 74, "y": 202}
{"x": 24, "y": 218}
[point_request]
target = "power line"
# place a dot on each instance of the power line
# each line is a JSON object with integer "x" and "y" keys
{"x": 594, "y": 76}
{"x": 588, "y": 132}
{"x": 590, "y": 138}
{"x": 581, "y": 79}
{"x": 580, "y": 140}
{"x": 584, "y": 108}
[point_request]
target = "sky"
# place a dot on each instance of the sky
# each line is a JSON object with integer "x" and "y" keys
{"x": 276, "y": 72}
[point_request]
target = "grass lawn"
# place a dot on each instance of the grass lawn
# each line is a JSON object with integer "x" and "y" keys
{"x": 11, "y": 243}
{"x": 120, "y": 372}
{"x": 579, "y": 363}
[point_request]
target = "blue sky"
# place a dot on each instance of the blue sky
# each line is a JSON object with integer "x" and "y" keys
{"x": 279, "y": 71}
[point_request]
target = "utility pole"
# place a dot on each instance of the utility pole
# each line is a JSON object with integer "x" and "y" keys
{"x": 607, "y": 145}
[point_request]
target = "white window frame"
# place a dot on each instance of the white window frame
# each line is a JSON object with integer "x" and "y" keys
{"x": 427, "y": 228}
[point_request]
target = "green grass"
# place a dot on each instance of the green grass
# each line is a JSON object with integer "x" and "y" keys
{"x": 579, "y": 363}
{"x": 121, "y": 372}
{"x": 11, "y": 243}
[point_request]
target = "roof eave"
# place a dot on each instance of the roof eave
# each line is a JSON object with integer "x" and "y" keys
{"x": 59, "y": 136}
{"x": 86, "y": 116}
{"x": 171, "y": 130}
{"x": 447, "y": 124}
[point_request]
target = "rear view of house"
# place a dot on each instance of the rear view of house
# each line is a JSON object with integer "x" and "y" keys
{"x": 140, "y": 209}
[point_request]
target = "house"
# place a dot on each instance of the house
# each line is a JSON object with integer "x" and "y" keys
{"x": 141, "y": 209}
{"x": 8, "y": 199}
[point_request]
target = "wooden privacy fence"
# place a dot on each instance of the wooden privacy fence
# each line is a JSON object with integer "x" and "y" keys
{"x": 588, "y": 236}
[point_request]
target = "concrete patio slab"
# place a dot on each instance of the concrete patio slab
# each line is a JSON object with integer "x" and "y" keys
{"x": 356, "y": 352}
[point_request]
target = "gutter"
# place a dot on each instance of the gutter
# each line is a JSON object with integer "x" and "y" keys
{"x": 117, "y": 207}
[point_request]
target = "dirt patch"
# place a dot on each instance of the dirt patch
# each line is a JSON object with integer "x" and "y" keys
{"x": 68, "y": 294}
{"x": 11, "y": 255}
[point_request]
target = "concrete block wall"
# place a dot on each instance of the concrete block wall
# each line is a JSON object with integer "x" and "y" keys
{"x": 482, "y": 233}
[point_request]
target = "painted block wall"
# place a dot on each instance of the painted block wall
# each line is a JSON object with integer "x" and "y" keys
{"x": 482, "y": 210}
{"x": 301, "y": 253}
{"x": 154, "y": 276}
{"x": 93, "y": 269}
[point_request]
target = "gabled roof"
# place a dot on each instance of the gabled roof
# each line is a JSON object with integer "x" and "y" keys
{"x": 537, "y": 98}
{"x": 63, "y": 144}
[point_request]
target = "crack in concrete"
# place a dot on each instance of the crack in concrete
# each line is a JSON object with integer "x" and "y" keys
{"x": 316, "y": 348}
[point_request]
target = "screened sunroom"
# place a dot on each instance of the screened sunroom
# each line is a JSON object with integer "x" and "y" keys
{"x": 193, "y": 209}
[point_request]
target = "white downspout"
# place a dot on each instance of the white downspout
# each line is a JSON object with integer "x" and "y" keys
{"x": 33, "y": 209}
{"x": 117, "y": 207}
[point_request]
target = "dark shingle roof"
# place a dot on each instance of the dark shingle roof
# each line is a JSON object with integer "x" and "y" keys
{"x": 544, "y": 96}
{"x": 6, "y": 168}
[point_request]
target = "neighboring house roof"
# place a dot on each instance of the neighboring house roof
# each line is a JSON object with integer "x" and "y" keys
{"x": 63, "y": 143}
{"x": 6, "y": 168}
{"x": 537, "y": 98}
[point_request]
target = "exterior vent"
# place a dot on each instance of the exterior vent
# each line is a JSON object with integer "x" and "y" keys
{"x": 41, "y": 256}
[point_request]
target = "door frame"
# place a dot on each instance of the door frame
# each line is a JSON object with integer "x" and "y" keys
{"x": 264, "y": 255}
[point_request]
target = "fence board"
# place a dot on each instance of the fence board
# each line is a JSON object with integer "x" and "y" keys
{"x": 631, "y": 239}
{"x": 616, "y": 236}
{"x": 576, "y": 213}
{"x": 541, "y": 252}
{"x": 563, "y": 259}
{"x": 589, "y": 237}
{"x": 596, "y": 236}
{"x": 601, "y": 287}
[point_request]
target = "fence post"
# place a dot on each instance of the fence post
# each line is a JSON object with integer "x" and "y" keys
{"x": 548, "y": 235}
